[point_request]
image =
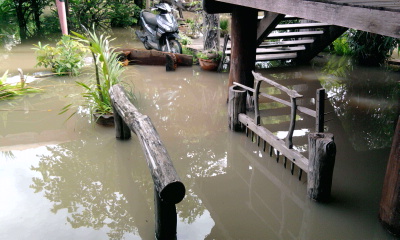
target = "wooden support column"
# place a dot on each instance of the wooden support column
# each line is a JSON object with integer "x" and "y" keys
{"x": 236, "y": 105}
{"x": 389, "y": 209}
{"x": 243, "y": 55}
{"x": 322, "y": 152}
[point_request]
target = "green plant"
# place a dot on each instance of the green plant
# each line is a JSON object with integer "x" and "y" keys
{"x": 223, "y": 24}
{"x": 108, "y": 72}
{"x": 9, "y": 91}
{"x": 184, "y": 39}
{"x": 370, "y": 48}
{"x": 66, "y": 58}
{"x": 341, "y": 46}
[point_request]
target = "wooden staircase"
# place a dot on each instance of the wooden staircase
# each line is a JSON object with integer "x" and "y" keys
{"x": 300, "y": 42}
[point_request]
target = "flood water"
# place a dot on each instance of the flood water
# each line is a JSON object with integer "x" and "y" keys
{"x": 74, "y": 180}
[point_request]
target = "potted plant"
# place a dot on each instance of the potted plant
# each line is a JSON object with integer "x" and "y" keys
{"x": 209, "y": 59}
{"x": 107, "y": 73}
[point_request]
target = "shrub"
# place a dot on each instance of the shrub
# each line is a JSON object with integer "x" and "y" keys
{"x": 66, "y": 58}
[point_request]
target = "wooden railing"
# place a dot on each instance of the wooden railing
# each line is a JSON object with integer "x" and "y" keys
{"x": 322, "y": 149}
{"x": 168, "y": 188}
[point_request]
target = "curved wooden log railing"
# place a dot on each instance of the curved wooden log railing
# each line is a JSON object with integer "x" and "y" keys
{"x": 322, "y": 148}
{"x": 169, "y": 190}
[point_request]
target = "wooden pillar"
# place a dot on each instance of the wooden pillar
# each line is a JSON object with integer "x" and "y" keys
{"x": 322, "y": 152}
{"x": 389, "y": 209}
{"x": 236, "y": 105}
{"x": 243, "y": 41}
{"x": 320, "y": 110}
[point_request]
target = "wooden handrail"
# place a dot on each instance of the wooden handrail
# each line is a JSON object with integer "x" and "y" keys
{"x": 169, "y": 190}
{"x": 304, "y": 110}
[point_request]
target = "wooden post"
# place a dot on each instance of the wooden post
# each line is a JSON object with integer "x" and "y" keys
{"x": 122, "y": 131}
{"x": 236, "y": 105}
{"x": 243, "y": 39}
{"x": 170, "y": 62}
{"x": 165, "y": 218}
{"x": 389, "y": 209}
{"x": 62, "y": 16}
{"x": 322, "y": 152}
{"x": 320, "y": 110}
{"x": 293, "y": 110}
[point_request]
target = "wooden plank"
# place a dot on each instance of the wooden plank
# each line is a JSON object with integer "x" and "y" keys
{"x": 366, "y": 19}
{"x": 273, "y": 57}
{"x": 286, "y": 43}
{"x": 301, "y": 26}
{"x": 275, "y": 142}
{"x": 271, "y": 44}
{"x": 274, "y": 50}
{"x": 294, "y": 34}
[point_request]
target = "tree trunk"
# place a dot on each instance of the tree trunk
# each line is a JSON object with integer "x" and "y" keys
{"x": 36, "y": 13}
{"x": 21, "y": 19}
{"x": 211, "y": 32}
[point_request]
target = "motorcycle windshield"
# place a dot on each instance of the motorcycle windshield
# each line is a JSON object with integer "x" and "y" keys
{"x": 167, "y": 22}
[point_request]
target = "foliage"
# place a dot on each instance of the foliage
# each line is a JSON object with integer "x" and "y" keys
{"x": 27, "y": 13}
{"x": 108, "y": 72}
{"x": 9, "y": 91}
{"x": 184, "y": 39}
{"x": 118, "y": 13}
{"x": 341, "y": 46}
{"x": 124, "y": 13}
{"x": 66, "y": 58}
{"x": 223, "y": 24}
{"x": 370, "y": 48}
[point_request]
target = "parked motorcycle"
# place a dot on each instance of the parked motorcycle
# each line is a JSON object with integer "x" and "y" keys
{"x": 159, "y": 32}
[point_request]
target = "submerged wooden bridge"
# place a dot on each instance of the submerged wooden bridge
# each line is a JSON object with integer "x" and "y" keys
{"x": 329, "y": 19}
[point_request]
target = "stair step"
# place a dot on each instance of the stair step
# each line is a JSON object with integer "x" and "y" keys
{"x": 301, "y": 26}
{"x": 288, "y": 17}
{"x": 271, "y": 57}
{"x": 271, "y": 44}
{"x": 294, "y": 34}
{"x": 275, "y": 50}
{"x": 286, "y": 43}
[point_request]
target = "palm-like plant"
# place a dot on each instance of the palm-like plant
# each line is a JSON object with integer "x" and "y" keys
{"x": 108, "y": 72}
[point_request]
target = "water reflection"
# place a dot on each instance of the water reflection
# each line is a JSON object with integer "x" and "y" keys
{"x": 366, "y": 100}
{"x": 76, "y": 180}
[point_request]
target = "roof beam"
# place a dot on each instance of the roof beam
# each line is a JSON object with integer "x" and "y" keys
{"x": 383, "y": 22}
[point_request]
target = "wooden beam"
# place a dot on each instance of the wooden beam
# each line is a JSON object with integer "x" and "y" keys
{"x": 213, "y": 7}
{"x": 267, "y": 25}
{"x": 367, "y": 19}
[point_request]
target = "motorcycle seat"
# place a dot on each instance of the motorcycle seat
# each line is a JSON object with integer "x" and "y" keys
{"x": 150, "y": 18}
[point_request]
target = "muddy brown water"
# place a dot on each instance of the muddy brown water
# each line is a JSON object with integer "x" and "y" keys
{"x": 73, "y": 180}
